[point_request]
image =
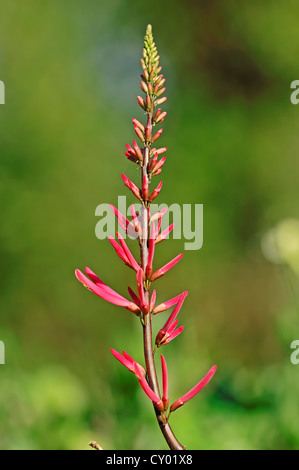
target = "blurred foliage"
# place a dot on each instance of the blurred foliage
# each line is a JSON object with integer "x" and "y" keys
{"x": 71, "y": 72}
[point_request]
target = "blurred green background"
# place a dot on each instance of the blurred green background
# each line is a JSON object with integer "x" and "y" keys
{"x": 71, "y": 71}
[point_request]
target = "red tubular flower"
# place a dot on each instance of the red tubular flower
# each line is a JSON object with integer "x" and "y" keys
{"x": 180, "y": 401}
{"x": 149, "y": 103}
{"x": 153, "y": 162}
{"x": 175, "y": 311}
{"x": 138, "y": 124}
{"x": 133, "y": 155}
{"x": 135, "y": 220}
{"x": 168, "y": 332}
{"x": 127, "y": 361}
{"x": 166, "y": 268}
{"x": 159, "y": 215}
{"x": 120, "y": 252}
{"x": 101, "y": 289}
{"x": 127, "y": 252}
{"x": 159, "y": 224}
{"x": 134, "y": 297}
{"x": 148, "y": 132}
{"x": 145, "y": 188}
{"x": 141, "y": 102}
{"x": 161, "y": 150}
{"x": 165, "y": 398}
{"x": 146, "y": 388}
{"x": 160, "y": 101}
{"x": 161, "y": 117}
{"x": 135, "y": 190}
{"x": 140, "y": 287}
{"x": 137, "y": 150}
{"x": 155, "y": 192}
{"x": 139, "y": 133}
{"x": 164, "y": 234}
{"x": 124, "y": 223}
{"x": 164, "y": 337}
{"x": 153, "y": 300}
{"x": 151, "y": 250}
{"x": 157, "y": 113}
{"x": 159, "y": 165}
{"x": 156, "y": 136}
{"x": 168, "y": 304}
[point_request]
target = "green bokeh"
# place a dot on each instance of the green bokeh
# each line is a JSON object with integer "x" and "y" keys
{"x": 71, "y": 71}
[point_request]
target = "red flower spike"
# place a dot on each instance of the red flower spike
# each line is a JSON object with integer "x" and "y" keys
{"x": 164, "y": 234}
{"x": 151, "y": 250}
{"x": 139, "y": 133}
{"x": 127, "y": 361}
{"x": 127, "y": 252}
{"x": 165, "y": 398}
{"x": 155, "y": 193}
{"x": 156, "y": 136}
{"x": 138, "y": 124}
{"x": 135, "y": 190}
{"x": 99, "y": 288}
{"x": 166, "y": 268}
{"x": 181, "y": 401}
{"x": 146, "y": 388}
{"x": 141, "y": 102}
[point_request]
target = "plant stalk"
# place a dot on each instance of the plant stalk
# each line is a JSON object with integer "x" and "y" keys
{"x": 167, "y": 432}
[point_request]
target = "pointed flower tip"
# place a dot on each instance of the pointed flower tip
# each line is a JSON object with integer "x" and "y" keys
{"x": 194, "y": 391}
